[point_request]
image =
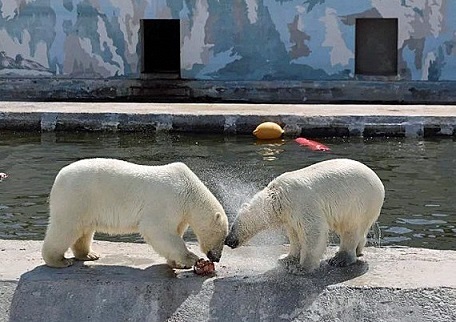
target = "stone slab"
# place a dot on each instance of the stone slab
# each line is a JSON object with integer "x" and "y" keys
{"x": 299, "y": 119}
{"x": 131, "y": 283}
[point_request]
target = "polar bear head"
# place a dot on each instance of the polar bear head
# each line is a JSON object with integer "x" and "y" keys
{"x": 244, "y": 226}
{"x": 260, "y": 213}
{"x": 211, "y": 235}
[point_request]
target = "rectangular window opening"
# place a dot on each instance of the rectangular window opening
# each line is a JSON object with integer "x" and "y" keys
{"x": 160, "y": 46}
{"x": 376, "y": 46}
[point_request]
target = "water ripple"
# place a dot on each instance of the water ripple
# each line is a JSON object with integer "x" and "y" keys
{"x": 418, "y": 175}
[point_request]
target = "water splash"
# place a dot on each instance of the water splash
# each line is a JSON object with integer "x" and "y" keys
{"x": 231, "y": 186}
{"x": 374, "y": 236}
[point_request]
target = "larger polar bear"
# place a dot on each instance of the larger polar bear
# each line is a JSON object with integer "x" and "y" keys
{"x": 341, "y": 195}
{"x": 118, "y": 197}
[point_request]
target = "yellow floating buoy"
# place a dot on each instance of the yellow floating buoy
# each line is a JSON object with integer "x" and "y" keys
{"x": 268, "y": 131}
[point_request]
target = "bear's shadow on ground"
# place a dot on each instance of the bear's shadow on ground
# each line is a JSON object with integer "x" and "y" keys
{"x": 117, "y": 291}
{"x": 277, "y": 294}
{"x": 114, "y": 290}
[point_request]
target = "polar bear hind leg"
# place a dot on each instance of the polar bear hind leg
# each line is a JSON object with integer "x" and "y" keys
{"x": 82, "y": 248}
{"x": 56, "y": 243}
{"x": 349, "y": 243}
{"x": 363, "y": 240}
{"x": 361, "y": 244}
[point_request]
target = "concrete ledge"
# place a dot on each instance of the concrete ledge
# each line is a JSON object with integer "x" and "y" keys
{"x": 203, "y": 91}
{"x": 131, "y": 283}
{"x": 305, "y": 120}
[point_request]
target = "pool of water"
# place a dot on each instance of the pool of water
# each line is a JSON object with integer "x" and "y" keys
{"x": 419, "y": 175}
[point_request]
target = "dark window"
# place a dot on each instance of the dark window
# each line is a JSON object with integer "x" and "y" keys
{"x": 160, "y": 46}
{"x": 376, "y": 47}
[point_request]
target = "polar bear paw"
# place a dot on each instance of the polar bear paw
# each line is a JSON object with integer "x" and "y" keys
{"x": 288, "y": 261}
{"x": 187, "y": 262}
{"x": 61, "y": 263}
{"x": 293, "y": 265}
{"x": 91, "y": 256}
{"x": 173, "y": 264}
{"x": 342, "y": 259}
{"x": 296, "y": 268}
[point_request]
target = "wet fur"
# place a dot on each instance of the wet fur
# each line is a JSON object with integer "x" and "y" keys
{"x": 339, "y": 195}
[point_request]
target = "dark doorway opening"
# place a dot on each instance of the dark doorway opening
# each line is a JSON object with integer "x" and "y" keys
{"x": 376, "y": 46}
{"x": 160, "y": 46}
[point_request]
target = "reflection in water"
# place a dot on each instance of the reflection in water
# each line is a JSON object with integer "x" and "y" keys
{"x": 418, "y": 175}
{"x": 270, "y": 148}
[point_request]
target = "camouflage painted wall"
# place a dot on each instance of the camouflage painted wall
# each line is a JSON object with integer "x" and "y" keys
{"x": 222, "y": 39}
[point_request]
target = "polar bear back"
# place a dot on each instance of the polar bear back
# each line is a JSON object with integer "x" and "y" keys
{"x": 114, "y": 195}
{"x": 94, "y": 178}
{"x": 341, "y": 189}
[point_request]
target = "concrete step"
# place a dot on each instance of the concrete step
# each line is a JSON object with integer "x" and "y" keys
{"x": 132, "y": 283}
{"x": 300, "y": 119}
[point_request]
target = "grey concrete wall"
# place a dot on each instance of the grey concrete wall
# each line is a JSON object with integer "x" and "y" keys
{"x": 168, "y": 90}
{"x": 131, "y": 283}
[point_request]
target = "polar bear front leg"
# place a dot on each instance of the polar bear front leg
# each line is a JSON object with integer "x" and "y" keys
{"x": 292, "y": 258}
{"x": 313, "y": 239}
{"x": 172, "y": 247}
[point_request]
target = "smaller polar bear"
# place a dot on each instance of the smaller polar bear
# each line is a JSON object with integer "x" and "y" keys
{"x": 118, "y": 197}
{"x": 341, "y": 195}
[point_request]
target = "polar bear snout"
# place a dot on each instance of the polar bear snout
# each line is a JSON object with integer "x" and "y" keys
{"x": 231, "y": 240}
{"x": 214, "y": 256}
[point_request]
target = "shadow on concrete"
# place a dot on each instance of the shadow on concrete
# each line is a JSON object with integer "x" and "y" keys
{"x": 276, "y": 295}
{"x": 157, "y": 293}
{"x": 101, "y": 293}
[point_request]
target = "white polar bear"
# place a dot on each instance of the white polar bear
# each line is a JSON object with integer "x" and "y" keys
{"x": 341, "y": 195}
{"x": 118, "y": 197}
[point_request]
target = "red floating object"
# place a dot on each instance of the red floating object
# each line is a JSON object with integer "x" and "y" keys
{"x": 312, "y": 145}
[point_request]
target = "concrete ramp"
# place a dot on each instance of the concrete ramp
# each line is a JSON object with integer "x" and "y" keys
{"x": 131, "y": 283}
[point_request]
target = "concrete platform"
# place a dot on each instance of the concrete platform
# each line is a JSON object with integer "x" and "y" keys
{"x": 297, "y": 119}
{"x": 131, "y": 283}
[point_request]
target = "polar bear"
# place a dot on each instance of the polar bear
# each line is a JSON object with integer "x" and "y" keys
{"x": 118, "y": 197}
{"x": 341, "y": 195}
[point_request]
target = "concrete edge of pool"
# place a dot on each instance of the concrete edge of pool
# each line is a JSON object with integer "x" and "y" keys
{"x": 298, "y": 119}
{"x": 131, "y": 283}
